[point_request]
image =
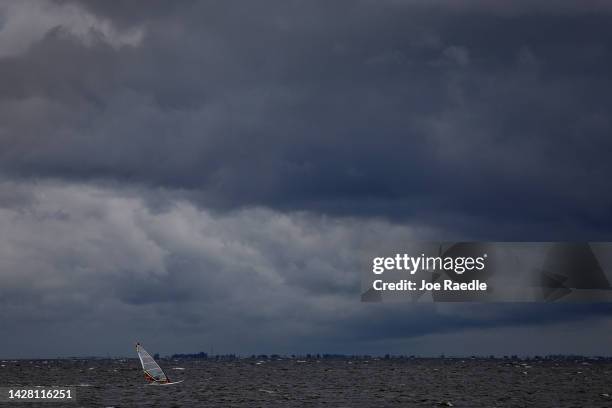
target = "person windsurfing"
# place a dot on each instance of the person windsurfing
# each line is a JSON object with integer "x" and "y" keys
{"x": 153, "y": 373}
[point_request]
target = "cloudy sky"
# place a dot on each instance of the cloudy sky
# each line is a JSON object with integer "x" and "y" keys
{"x": 203, "y": 175}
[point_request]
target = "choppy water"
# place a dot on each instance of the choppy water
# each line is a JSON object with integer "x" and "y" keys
{"x": 339, "y": 383}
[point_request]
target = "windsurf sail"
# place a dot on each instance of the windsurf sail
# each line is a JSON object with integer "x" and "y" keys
{"x": 152, "y": 370}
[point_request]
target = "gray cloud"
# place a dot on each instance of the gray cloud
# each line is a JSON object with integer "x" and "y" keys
{"x": 182, "y": 162}
{"x": 390, "y": 110}
{"x": 25, "y": 23}
{"x": 95, "y": 260}
{"x": 83, "y": 253}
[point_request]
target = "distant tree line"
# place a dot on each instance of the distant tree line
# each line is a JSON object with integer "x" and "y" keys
{"x": 358, "y": 357}
{"x": 197, "y": 356}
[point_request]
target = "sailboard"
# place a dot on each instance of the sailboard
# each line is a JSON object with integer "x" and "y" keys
{"x": 153, "y": 373}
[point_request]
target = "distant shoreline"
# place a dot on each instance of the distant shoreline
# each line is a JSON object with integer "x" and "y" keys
{"x": 319, "y": 357}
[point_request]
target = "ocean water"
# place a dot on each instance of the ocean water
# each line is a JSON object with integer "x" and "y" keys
{"x": 325, "y": 383}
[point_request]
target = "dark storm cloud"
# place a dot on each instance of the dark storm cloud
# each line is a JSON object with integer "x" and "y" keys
{"x": 99, "y": 261}
{"x": 470, "y": 117}
{"x": 207, "y": 171}
{"x": 79, "y": 255}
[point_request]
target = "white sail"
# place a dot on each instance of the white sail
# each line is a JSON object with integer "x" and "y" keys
{"x": 152, "y": 370}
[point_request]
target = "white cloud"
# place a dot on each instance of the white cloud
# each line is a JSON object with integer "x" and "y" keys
{"x": 101, "y": 261}
{"x": 64, "y": 245}
{"x": 26, "y": 22}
